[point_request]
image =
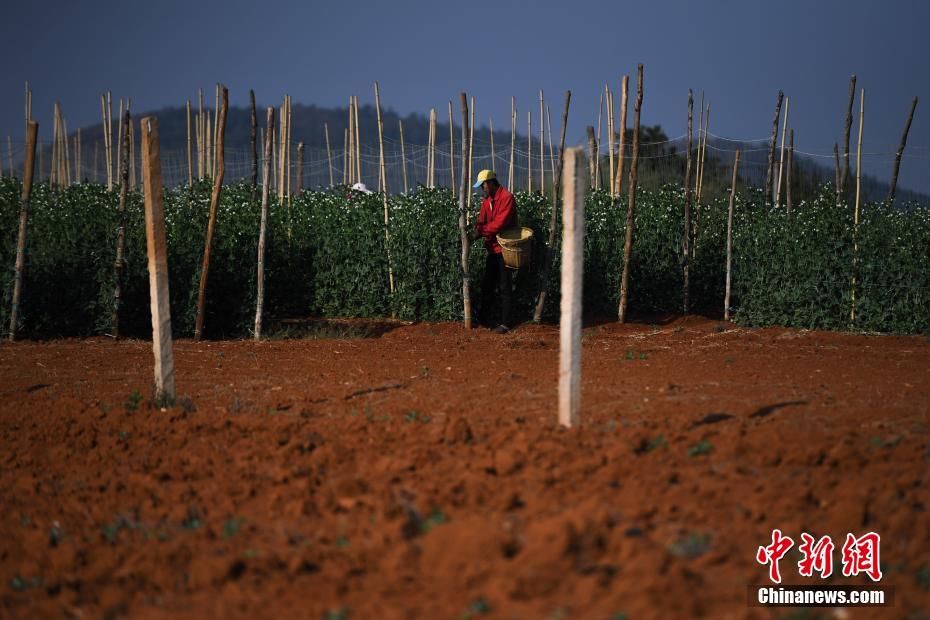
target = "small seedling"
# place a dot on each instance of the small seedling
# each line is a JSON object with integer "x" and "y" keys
{"x": 630, "y": 354}
{"x": 342, "y": 542}
{"x": 414, "y": 416}
{"x": 435, "y": 518}
{"x": 923, "y": 577}
{"x": 643, "y": 356}
{"x": 658, "y": 442}
{"x": 478, "y": 607}
{"x": 231, "y": 527}
{"x": 690, "y": 546}
{"x": 701, "y": 447}
{"x": 620, "y": 615}
{"x": 123, "y": 436}
{"x": 132, "y": 403}
{"x": 337, "y": 613}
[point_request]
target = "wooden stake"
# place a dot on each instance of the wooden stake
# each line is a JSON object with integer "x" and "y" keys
{"x": 329, "y": 154}
{"x": 597, "y": 158}
{"x": 529, "y": 152}
{"x": 542, "y": 144}
{"x": 770, "y": 172}
{"x": 836, "y": 171}
{"x": 463, "y": 231}
{"x": 471, "y": 150}
{"x": 573, "y": 190}
{"x": 299, "y": 181}
{"x": 451, "y": 151}
{"x": 384, "y": 193}
{"x": 282, "y": 151}
{"x": 897, "y": 158}
{"x": 431, "y": 155}
{"x": 852, "y": 312}
{"x": 608, "y": 96}
{"x": 119, "y": 137}
{"x": 726, "y": 295}
{"x": 32, "y": 131}
{"x": 202, "y": 138}
{"x": 513, "y": 140}
{"x": 686, "y": 236}
{"x": 253, "y": 136}
{"x": 700, "y": 146}
{"x": 553, "y": 216}
{"x": 351, "y": 146}
{"x": 190, "y": 163}
{"x": 358, "y": 145}
{"x": 618, "y": 183}
{"x": 788, "y": 170}
{"x": 493, "y": 154}
{"x": 120, "y": 262}
{"x": 700, "y": 190}
{"x": 132, "y": 154}
{"x": 631, "y": 200}
{"x": 346, "y": 164}
{"x": 263, "y": 227}
{"x": 551, "y": 153}
{"x": 109, "y": 130}
{"x": 403, "y": 155}
{"x": 211, "y": 223}
{"x": 592, "y": 153}
{"x": 781, "y": 158}
{"x": 158, "y": 263}
{"x": 216, "y": 109}
{"x": 844, "y": 180}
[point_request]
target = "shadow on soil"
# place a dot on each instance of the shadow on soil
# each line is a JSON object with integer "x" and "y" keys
{"x": 322, "y": 329}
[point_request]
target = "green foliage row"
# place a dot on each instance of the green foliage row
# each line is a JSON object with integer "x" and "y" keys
{"x": 328, "y": 256}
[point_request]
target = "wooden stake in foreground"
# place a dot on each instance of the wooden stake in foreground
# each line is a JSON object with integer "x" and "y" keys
{"x": 158, "y": 263}
{"x": 120, "y": 264}
{"x": 770, "y": 171}
{"x": 620, "y": 151}
{"x": 573, "y": 188}
{"x": 211, "y": 223}
{"x": 781, "y": 159}
{"x": 553, "y": 219}
{"x": 32, "y": 130}
{"x": 463, "y": 232}
{"x": 263, "y": 227}
{"x": 844, "y": 178}
{"x": 726, "y": 295}
{"x": 897, "y": 159}
{"x": 631, "y": 200}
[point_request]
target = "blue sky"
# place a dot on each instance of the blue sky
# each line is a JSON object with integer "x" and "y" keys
{"x": 423, "y": 54}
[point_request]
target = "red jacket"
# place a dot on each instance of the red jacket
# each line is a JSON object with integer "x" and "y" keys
{"x": 498, "y": 213}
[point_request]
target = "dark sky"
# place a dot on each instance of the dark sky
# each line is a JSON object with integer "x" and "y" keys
{"x": 423, "y": 53}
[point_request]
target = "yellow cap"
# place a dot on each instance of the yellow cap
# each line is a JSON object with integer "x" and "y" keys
{"x": 484, "y": 175}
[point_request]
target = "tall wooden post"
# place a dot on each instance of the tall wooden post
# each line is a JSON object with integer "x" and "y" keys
{"x": 120, "y": 263}
{"x": 463, "y": 231}
{"x": 897, "y": 158}
{"x": 790, "y": 163}
{"x": 299, "y": 181}
{"x": 573, "y": 190}
{"x": 32, "y": 131}
{"x": 384, "y": 189}
{"x": 618, "y": 183}
{"x": 513, "y": 140}
{"x": 597, "y": 152}
{"x": 700, "y": 176}
{"x": 190, "y": 163}
{"x": 542, "y": 144}
{"x": 852, "y": 312}
{"x": 610, "y": 138}
{"x": 781, "y": 158}
{"x": 350, "y": 144}
{"x": 836, "y": 171}
{"x": 403, "y": 154}
{"x": 529, "y": 152}
{"x": 253, "y": 136}
{"x": 844, "y": 180}
{"x": 211, "y": 223}
{"x": 631, "y": 200}
{"x": 726, "y": 294}
{"x": 770, "y": 171}
{"x": 263, "y": 226}
{"x": 329, "y": 154}
{"x": 451, "y": 152}
{"x": 158, "y": 263}
{"x": 471, "y": 150}
{"x": 553, "y": 218}
{"x": 358, "y": 145}
{"x": 493, "y": 154}
{"x": 592, "y": 154}
{"x": 686, "y": 236}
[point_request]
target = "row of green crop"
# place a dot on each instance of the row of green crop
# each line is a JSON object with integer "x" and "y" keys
{"x": 327, "y": 256}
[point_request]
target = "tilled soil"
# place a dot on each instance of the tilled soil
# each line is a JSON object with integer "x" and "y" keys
{"x": 421, "y": 473}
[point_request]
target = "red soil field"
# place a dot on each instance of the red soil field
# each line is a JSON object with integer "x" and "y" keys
{"x": 421, "y": 474}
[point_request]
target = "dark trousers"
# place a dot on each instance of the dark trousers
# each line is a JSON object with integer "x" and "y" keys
{"x": 497, "y": 282}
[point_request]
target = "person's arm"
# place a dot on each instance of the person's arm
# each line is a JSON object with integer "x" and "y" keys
{"x": 503, "y": 214}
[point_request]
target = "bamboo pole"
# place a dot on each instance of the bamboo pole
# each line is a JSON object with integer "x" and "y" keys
{"x": 211, "y": 222}
{"x": 700, "y": 192}
{"x": 346, "y": 165}
{"x": 631, "y": 201}
{"x": 529, "y": 152}
{"x": 190, "y": 163}
{"x": 893, "y": 186}
{"x": 53, "y": 171}
{"x": 329, "y": 154}
{"x": 358, "y": 144}
{"x": 78, "y": 165}
{"x": 431, "y": 154}
{"x": 201, "y": 138}
{"x": 119, "y": 137}
{"x": 103, "y": 126}
{"x": 551, "y": 153}
{"x": 770, "y": 172}
{"x": 726, "y": 295}
{"x": 592, "y": 155}
{"x": 403, "y": 154}
{"x": 384, "y": 193}
{"x": 158, "y": 264}
{"x": 844, "y": 179}
{"x": 836, "y": 171}
{"x": 119, "y": 264}
{"x": 493, "y": 154}
{"x": 781, "y": 157}
{"x": 686, "y": 235}
{"x": 132, "y": 154}
{"x": 463, "y": 232}
{"x": 608, "y": 96}
{"x": 263, "y": 226}
{"x": 216, "y": 120}
{"x": 471, "y": 150}
{"x": 299, "y": 181}
{"x": 852, "y": 313}
{"x": 618, "y": 183}
{"x": 451, "y": 151}
{"x": 289, "y": 168}
{"x": 253, "y": 136}
{"x": 67, "y": 147}
{"x": 350, "y": 147}
{"x": 513, "y": 140}
{"x": 553, "y": 217}
{"x": 542, "y": 144}
{"x": 700, "y": 145}
{"x": 573, "y": 188}
{"x": 597, "y": 145}
{"x": 789, "y": 203}
{"x": 109, "y": 130}
{"x": 32, "y": 131}
{"x": 282, "y": 151}
{"x": 208, "y": 146}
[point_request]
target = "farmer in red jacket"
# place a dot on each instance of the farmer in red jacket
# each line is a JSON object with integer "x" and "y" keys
{"x": 498, "y": 212}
